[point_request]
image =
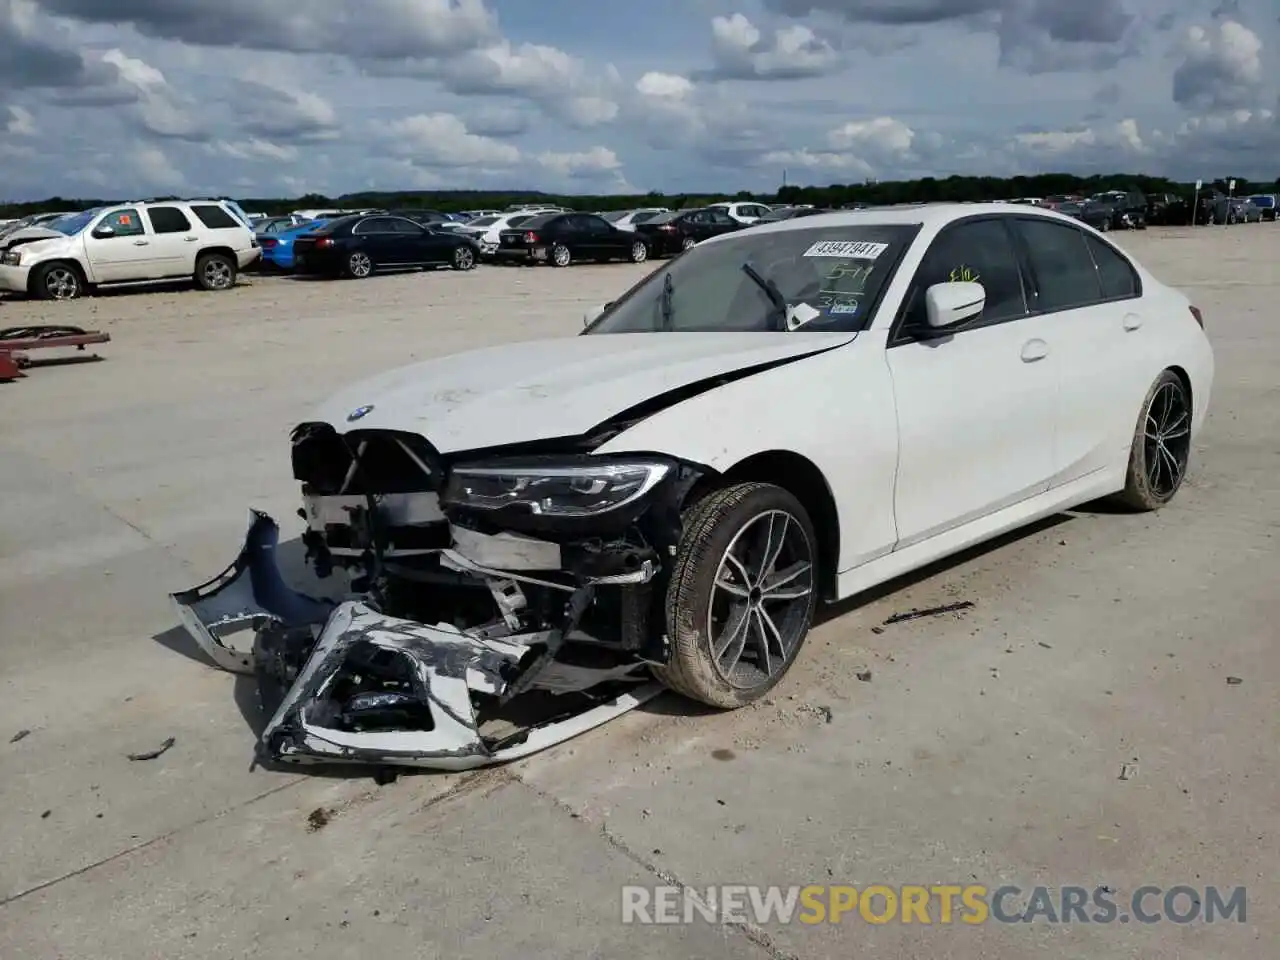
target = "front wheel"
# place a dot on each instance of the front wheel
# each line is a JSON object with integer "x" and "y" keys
{"x": 464, "y": 258}
{"x": 215, "y": 271}
{"x": 639, "y": 252}
{"x": 1161, "y": 445}
{"x": 56, "y": 281}
{"x": 742, "y": 594}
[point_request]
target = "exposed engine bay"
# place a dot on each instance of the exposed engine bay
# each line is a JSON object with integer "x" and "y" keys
{"x": 490, "y": 607}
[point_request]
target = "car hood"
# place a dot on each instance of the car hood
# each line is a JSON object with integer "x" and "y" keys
{"x": 27, "y": 235}
{"x": 548, "y": 389}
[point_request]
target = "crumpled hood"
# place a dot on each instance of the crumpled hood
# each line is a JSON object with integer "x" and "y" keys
{"x": 29, "y": 235}
{"x": 546, "y": 389}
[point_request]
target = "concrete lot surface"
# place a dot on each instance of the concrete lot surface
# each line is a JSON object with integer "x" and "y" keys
{"x": 985, "y": 748}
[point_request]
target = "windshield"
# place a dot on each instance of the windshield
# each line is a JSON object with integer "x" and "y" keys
{"x": 539, "y": 220}
{"x": 613, "y": 216}
{"x": 1264, "y": 201}
{"x": 647, "y": 216}
{"x": 72, "y": 223}
{"x": 820, "y": 278}
{"x": 483, "y": 222}
{"x": 663, "y": 217}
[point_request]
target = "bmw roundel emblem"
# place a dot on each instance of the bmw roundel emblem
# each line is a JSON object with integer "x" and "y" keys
{"x": 359, "y": 412}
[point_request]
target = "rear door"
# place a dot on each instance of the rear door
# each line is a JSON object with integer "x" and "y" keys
{"x": 976, "y": 408}
{"x": 1091, "y": 295}
{"x": 175, "y": 242}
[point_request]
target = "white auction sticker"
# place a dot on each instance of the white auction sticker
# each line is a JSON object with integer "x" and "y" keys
{"x": 847, "y": 249}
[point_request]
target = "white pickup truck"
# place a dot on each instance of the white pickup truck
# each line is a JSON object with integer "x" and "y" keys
{"x": 208, "y": 241}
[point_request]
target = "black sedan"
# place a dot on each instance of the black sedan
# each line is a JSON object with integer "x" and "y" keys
{"x": 561, "y": 238}
{"x": 672, "y": 233}
{"x": 790, "y": 213}
{"x": 358, "y": 245}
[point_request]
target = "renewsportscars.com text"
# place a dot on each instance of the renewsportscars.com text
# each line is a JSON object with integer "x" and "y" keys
{"x": 970, "y": 904}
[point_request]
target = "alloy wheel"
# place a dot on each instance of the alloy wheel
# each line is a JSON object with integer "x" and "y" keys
{"x": 217, "y": 274}
{"x": 1167, "y": 439}
{"x": 759, "y": 609}
{"x": 463, "y": 259}
{"x": 639, "y": 253}
{"x": 62, "y": 284}
{"x": 561, "y": 256}
{"x": 360, "y": 265}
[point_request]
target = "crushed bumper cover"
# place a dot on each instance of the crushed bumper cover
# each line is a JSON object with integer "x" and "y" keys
{"x": 438, "y": 672}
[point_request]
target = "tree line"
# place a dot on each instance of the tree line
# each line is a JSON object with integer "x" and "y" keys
{"x": 928, "y": 189}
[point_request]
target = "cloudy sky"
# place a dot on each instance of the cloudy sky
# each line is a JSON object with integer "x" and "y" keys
{"x": 249, "y": 97}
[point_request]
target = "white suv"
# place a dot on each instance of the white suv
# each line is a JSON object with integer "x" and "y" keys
{"x": 143, "y": 242}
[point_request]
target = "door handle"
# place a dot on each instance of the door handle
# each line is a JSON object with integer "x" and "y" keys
{"x": 141, "y": 243}
{"x": 1132, "y": 321}
{"x": 191, "y": 239}
{"x": 1034, "y": 350}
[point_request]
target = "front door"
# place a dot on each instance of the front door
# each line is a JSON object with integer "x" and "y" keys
{"x": 119, "y": 248}
{"x": 976, "y": 408}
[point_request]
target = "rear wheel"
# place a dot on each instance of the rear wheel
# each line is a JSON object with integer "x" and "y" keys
{"x": 560, "y": 255}
{"x": 359, "y": 265}
{"x": 57, "y": 281}
{"x": 464, "y": 258}
{"x": 1161, "y": 445}
{"x": 687, "y": 243}
{"x": 742, "y": 594}
{"x": 215, "y": 271}
{"x": 639, "y": 252}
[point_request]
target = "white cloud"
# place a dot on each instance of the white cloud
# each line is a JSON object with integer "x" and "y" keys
{"x": 155, "y": 169}
{"x": 664, "y": 86}
{"x": 21, "y": 122}
{"x": 879, "y": 134}
{"x": 742, "y": 51}
{"x": 443, "y": 140}
{"x": 1221, "y": 68}
{"x": 587, "y": 163}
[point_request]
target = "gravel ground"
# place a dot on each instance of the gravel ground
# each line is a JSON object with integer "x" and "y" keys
{"x": 985, "y": 748}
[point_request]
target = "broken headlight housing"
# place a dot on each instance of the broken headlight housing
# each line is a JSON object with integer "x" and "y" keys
{"x": 555, "y": 494}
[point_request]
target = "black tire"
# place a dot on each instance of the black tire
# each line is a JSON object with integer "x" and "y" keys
{"x": 688, "y": 243}
{"x": 639, "y": 252}
{"x": 560, "y": 255}
{"x": 215, "y": 272}
{"x": 1105, "y": 226}
{"x": 56, "y": 281}
{"x": 464, "y": 258}
{"x": 358, "y": 266}
{"x": 1157, "y": 467}
{"x": 711, "y": 528}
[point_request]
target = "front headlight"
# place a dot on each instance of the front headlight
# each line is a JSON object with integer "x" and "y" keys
{"x": 584, "y": 487}
{"x": 12, "y": 258}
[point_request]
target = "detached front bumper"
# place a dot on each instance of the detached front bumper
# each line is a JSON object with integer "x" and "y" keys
{"x": 346, "y": 683}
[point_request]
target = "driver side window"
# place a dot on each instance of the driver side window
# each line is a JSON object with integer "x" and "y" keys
{"x": 980, "y": 251}
{"x": 123, "y": 223}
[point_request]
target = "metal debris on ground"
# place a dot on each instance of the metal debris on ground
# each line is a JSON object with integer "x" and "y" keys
{"x": 930, "y": 612}
{"x": 1235, "y": 681}
{"x": 863, "y": 674}
{"x": 1128, "y": 771}
{"x": 152, "y": 754}
{"x": 20, "y": 735}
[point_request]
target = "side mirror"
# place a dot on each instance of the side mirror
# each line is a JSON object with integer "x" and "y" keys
{"x": 104, "y": 231}
{"x": 591, "y": 315}
{"x": 948, "y": 305}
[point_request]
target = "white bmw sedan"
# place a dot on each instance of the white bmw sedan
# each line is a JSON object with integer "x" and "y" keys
{"x": 777, "y": 417}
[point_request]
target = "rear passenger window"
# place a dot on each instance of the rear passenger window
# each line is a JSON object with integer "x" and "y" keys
{"x": 981, "y": 252}
{"x": 214, "y": 217}
{"x": 1118, "y": 278}
{"x": 168, "y": 220}
{"x": 1063, "y": 267}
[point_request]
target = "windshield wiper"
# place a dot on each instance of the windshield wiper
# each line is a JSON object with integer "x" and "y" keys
{"x": 668, "y": 288}
{"x": 775, "y": 295}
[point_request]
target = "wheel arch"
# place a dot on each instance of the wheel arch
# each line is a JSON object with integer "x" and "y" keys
{"x": 800, "y": 477}
{"x": 74, "y": 264}
{"x": 219, "y": 249}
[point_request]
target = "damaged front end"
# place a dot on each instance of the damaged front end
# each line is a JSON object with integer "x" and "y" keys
{"x": 492, "y": 608}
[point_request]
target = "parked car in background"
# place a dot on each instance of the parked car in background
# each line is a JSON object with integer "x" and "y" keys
{"x": 742, "y": 211}
{"x": 469, "y": 215}
{"x": 133, "y": 243}
{"x": 487, "y": 230}
{"x": 627, "y": 219}
{"x": 359, "y": 246}
{"x": 1128, "y": 208}
{"x": 1097, "y": 215}
{"x": 790, "y": 213}
{"x": 672, "y": 233}
{"x": 1250, "y": 212}
{"x": 266, "y": 226}
{"x": 562, "y": 238}
{"x": 1167, "y": 209}
{"x": 277, "y": 248}
{"x": 1266, "y": 204}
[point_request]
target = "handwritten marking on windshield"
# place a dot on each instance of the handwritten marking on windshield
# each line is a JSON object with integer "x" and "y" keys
{"x": 860, "y": 250}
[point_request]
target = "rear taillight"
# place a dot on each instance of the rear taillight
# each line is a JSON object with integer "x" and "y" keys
{"x": 266, "y": 242}
{"x": 1195, "y": 312}
{"x": 530, "y": 237}
{"x": 324, "y": 242}
{"x": 667, "y": 228}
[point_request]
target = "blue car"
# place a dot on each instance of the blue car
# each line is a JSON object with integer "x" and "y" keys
{"x": 277, "y": 248}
